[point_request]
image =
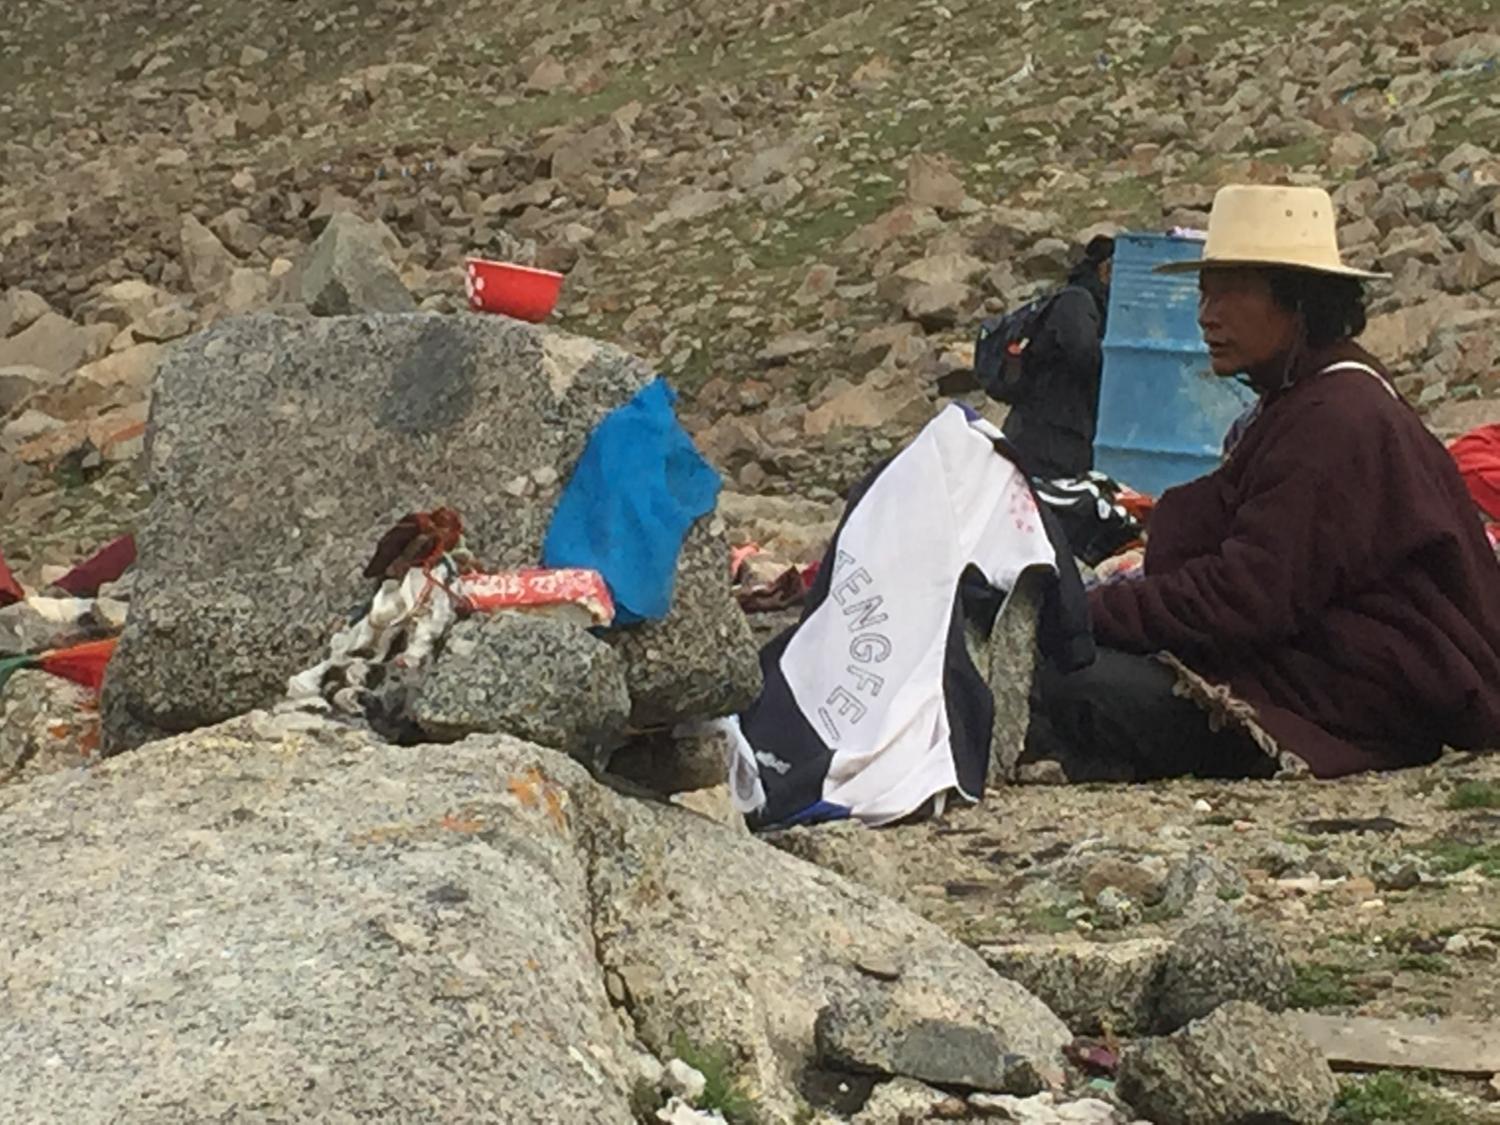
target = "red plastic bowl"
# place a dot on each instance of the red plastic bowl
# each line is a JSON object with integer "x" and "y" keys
{"x": 511, "y": 290}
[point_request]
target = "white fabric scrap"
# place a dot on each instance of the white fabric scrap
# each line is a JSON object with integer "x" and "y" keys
{"x": 417, "y": 608}
{"x": 741, "y": 768}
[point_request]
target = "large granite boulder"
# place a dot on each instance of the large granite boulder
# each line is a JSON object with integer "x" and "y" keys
{"x": 281, "y": 449}
{"x": 260, "y": 923}
{"x": 284, "y": 919}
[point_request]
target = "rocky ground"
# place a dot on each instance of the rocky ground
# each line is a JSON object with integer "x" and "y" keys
{"x": 797, "y": 211}
{"x": 1384, "y": 891}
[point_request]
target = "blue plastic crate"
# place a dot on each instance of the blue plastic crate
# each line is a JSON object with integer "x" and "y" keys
{"x": 1163, "y": 413}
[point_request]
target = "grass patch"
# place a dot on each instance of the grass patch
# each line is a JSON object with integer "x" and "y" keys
{"x": 1452, "y": 856}
{"x": 1475, "y": 795}
{"x": 1390, "y": 1097}
{"x": 1421, "y": 1009}
{"x": 724, "y": 1091}
{"x": 1320, "y": 985}
{"x": 1312, "y": 843}
{"x": 1298, "y": 155}
{"x": 1158, "y": 914}
{"x": 816, "y": 234}
{"x": 1429, "y": 963}
{"x": 1049, "y": 920}
{"x": 645, "y": 1100}
{"x": 1137, "y": 198}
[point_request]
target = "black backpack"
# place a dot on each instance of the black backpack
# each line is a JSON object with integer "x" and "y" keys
{"x": 1001, "y": 351}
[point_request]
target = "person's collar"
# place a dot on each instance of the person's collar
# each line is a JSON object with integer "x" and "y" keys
{"x": 1311, "y": 361}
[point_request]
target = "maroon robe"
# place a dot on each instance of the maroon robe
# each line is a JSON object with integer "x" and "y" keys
{"x": 1332, "y": 573}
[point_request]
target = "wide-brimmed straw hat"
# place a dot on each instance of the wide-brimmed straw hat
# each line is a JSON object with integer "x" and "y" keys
{"x": 1285, "y": 227}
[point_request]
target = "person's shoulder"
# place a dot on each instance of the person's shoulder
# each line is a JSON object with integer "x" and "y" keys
{"x": 1355, "y": 388}
{"x": 1073, "y": 293}
{"x": 1073, "y": 300}
{"x": 1354, "y": 407}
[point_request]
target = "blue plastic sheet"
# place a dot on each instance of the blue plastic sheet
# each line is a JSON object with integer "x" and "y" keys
{"x": 628, "y": 506}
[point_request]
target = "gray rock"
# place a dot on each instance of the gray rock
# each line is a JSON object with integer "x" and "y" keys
{"x": 1400, "y": 873}
{"x": 169, "y": 322}
{"x": 939, "y": 305}
{"x": 46, "y": 725}
{"x": 1280, "y": 858}
{"x": 1477, "y": 266}
{"x": 124, "y": 303}
{"x": 1047, "y": 257}
{"x": 1351, "y": 151}
{"x": 17, "y": 384}
{"x": 27, "y": 425}
{"x": 345, "y": 424}
{"x": 322, "y": 928}
{"x": 1142, "y": 878}
{"x": 1240, "y": 1065}
{"x": 55, "y": 344}
{"x": 1200, "y": 884}
{"x": 204, "y": 259}
{"x": 20, "y": 309}
{"x": 701, "y": 659}
{"x": 1007, "y": 658}
{"x": 1452, "y": 419}
{"x": 789, "y": 347}
{"x": 1092, "y": 986}
{"x": 535, "y": 678}
{"x": 246, "y": 291}
{"x": 1044, "y": 1109}
{"x": 173, "y": 670}
{"x": 1115, "y": 910}
{"x": 38, "y": 624}
{"x": 238, "y": 234}
{"x": 1219, "y": 959}
{"x": 989, "y": 1039}
{"x": 933, "y": 181}
{"x": 675, "y": 761}
{"x": 858, "y": 853}
{"x": 348, "y": 271}
{"x": 900, "y": 1100}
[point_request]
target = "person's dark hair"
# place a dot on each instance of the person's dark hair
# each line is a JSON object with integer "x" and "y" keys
{"x": 1101, "y": 248}
{"x": 1333, "y": 308}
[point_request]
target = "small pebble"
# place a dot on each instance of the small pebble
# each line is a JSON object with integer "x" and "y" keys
{"x": 881, "y": 968}
{"x": 1458, "y": 944}
{"x": 1202, "y": 806}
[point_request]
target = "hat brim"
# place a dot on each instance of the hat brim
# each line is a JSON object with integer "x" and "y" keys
{"x": 1199, "y": 265}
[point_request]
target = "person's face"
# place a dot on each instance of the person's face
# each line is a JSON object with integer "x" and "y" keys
{"x": 1243, "y": 326}
{"x": 1106, "y": 271}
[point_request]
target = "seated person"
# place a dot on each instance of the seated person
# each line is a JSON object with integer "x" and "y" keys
{"x": 1327, "y": 596}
